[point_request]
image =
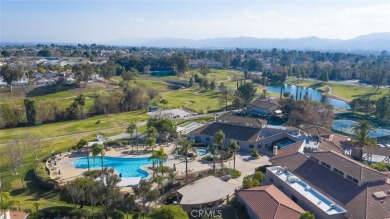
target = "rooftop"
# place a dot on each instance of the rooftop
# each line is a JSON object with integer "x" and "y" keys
{"x": 205, "y": 190}
{"x": 240, "y": 133}
{"x": 358, "y": 200}
{"x": 239, "y": 120}
{"x": 316, "y": 130}
{"x": 268, "y": 202}
{"x": 314, "y": 196}
{"x": 266, "y": 104}
{"x": 348, "y": 166}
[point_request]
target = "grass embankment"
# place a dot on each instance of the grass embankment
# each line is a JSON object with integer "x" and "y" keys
{"x": 76, "y": 127}
{"x": 32, "y": 192}
{"x": 51, "y": 92}
{"x": 347, "y": 92}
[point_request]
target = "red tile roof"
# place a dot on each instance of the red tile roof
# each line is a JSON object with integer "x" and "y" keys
{"x": 268, "y": 202}
{"x": 358, "y": 200}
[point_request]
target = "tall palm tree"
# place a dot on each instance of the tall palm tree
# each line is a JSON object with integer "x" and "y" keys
{"x": 152, "y": 134}
{"x": 213, "y": 151}
{"x": 171, "y": 177}
{"x": 219, "y": 139}
{"x": 161, "y": 157}
{"x": 130, "y": 129}
{"x": 159, "y": 179}
{"x": 96, "y": 150}
{"x": 186, "y": 148}
{"x": 233, "y": 146}
{"x": 81, "y": 144}
{"x": 361, "y": 133}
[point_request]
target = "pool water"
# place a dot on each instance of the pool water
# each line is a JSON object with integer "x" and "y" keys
{"x": 201, "y": 152}
{"x": 128, "y": 167}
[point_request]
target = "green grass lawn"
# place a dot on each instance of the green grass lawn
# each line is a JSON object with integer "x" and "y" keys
{"x": 194, "y": 98}
{"x": 347, "y": 92}
{"x": 72, "y": 127}
{"x": 44, "y": 93}
{"x": 23, "y": 187}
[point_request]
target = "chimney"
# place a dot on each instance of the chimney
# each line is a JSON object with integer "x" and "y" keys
{"x": 275, "y": 151}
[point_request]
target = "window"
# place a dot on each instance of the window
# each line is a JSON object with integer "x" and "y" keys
{"x": 271, "y": 180}
{"x": 294, "y": 198}
{"x": 338, "y": 171}
{"x": 352, "y": 179}
{"x": 325, "y": 165}
{"x": 315, "y": 159}
{"x": 207, "y": 139}
{"x": 251, "y": 146}
{"x": 259, "y": 146}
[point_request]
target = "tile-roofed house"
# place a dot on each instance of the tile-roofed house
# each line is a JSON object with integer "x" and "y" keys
{"x": 268, "y": 202}
{"x": 317, "y": 131}
{"x": 351, "y": 168}
{"x": 240, "y": 133}
{"x": 330, "y": 146}
{"x": 264, "y": 107}
{"x": 247, "y": 137}
{"x": 242, "y": 121}
{"x": 358, "y": 200}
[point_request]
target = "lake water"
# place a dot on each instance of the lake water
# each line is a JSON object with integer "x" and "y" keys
{"x": 313, "y": 93}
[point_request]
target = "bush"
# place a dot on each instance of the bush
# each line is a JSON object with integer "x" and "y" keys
{"x": 55, "y": 212}
{"x": 262, "y": 168}
{"x": 136, "y": 215}
{"x": 93, "y": 173}
{"x": 255, "y": 153}
{"x": 382, "y": 166}
{"x": 169, "y": 211}
{"x": 234, "y": 173}
{"x": 258, "y": 176}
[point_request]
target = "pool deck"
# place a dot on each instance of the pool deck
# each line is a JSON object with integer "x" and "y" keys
{"x": 243, "y": 164}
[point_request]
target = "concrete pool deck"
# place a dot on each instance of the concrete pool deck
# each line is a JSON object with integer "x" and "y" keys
{"x": 243, "y": 164}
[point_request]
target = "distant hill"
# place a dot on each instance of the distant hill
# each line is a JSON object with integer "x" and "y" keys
{"x": 370, "y": 42}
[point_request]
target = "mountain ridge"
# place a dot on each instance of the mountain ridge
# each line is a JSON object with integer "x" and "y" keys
{"x": 370, "y": 42}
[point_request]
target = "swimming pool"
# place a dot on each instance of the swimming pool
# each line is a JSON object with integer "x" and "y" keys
{"x": 128, "y": 167}
{"x": 201, "y": 152}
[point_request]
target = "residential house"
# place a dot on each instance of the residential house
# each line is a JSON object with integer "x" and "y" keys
{"x": 268, "y": 202}
{"x": 329, "y": 184}
{"x": 248, "y": 132}
{"x": 265, "y": 107}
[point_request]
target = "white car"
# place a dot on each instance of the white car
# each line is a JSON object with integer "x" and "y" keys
{"x": 381, "y": 145}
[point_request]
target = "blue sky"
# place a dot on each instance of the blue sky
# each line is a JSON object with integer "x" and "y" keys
{"x": 99, "y": 21}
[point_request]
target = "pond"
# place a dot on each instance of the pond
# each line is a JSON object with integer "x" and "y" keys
{"x": 345, "y": 125}
{"x": 301, "y": 91}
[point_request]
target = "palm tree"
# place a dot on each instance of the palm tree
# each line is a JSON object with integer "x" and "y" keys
{"x": 361, "y": 133}
{"x": 81, "y": 144}
{"x": 36, "y": 205}
{"x": 150, "y": 142}
{"x": 152, "y": 134}
{"x": 159, "y": 179}
{"x": 96, "y": 150}
{"x": 233, "y": 146}
{"x": 130, "y": 129}
{"x": 161, "y": 157}
{"x": 213, "y": 151}
{"x": 18, "y": 202}
{"x": 171, "y": 177}
{"x": 186, "y": 148}
{"x": 219, "y": 139}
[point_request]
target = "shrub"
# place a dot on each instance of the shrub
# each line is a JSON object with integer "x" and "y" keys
{"x": 234, "y": 173}
{"x": 258, "y": 176}
{"x": 136, "y": 215}
{"x": 255, "y": 153}
{"x": 262, "y": 168}
{"x": 93, "y": 173}
{"x": 169, "y": 211}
